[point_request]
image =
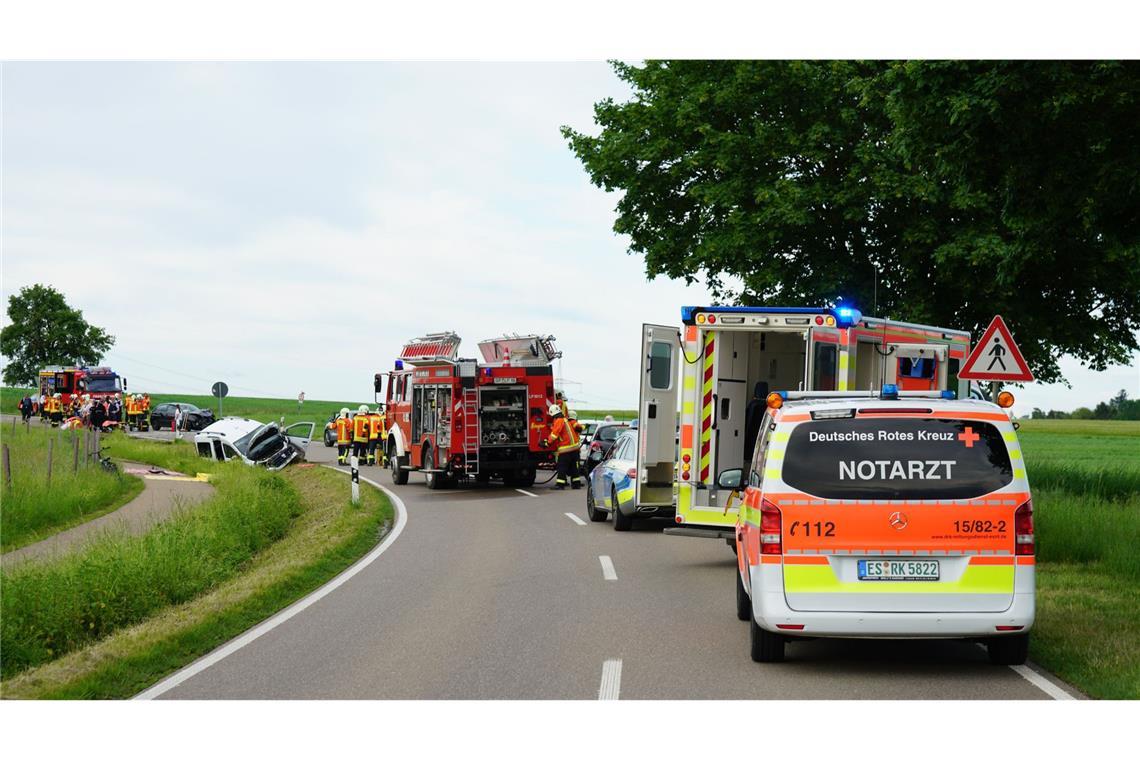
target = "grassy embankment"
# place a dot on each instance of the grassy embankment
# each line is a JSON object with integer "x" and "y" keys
{"x": 118, "y": 615}
{"x": 1085, "y": 477}
{"x": 261, "y": 409}
{"x": 32, "y": 509}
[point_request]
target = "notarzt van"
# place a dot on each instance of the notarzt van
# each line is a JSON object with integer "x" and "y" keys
{"x": 892, "y": 515}
{"x": 696, "y": 384}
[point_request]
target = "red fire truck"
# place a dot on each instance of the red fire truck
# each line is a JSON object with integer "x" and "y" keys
{"x": 98, "y": 382}
{"x": 455, "y": 418}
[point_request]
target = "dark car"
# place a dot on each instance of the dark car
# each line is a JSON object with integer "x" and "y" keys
{"x": 329, "y": 434}
{"x": 193, "y": 417}
{"x": 601, "y": 442}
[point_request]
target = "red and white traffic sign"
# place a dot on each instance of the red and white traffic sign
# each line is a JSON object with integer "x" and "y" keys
{"x": 996, "y": 357}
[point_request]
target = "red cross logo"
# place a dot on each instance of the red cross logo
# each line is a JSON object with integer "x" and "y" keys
{"x": 969, "y": 436}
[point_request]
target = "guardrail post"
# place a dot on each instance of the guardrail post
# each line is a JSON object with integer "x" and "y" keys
{"x": 51, "y": 441}
{"x": 7, "y": 467}
{"x": 74, "y": 453}
{"x": 355, "y": 464}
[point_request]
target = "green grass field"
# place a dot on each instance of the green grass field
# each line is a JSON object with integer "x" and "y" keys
{"x": 1085, "y": 477}
{"x": 31, "y": 509}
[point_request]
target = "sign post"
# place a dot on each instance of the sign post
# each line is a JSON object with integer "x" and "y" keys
{"x": 220, "y": 390}
{"x": 996, "y": 358}
{"x": 354, "y": 463}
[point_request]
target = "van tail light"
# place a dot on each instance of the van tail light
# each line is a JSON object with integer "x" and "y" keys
{"x": 1023, "y": 528}
{"x": 770, "y": 528}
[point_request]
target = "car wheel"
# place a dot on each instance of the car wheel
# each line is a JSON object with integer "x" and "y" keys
{"x": 1008, "y": 650}
{"x": 621, "y": 522}
{"x": 743, "y": 603}
{"x": 592, "y": 511}
{"x": 329, "y": 440}
{"x": 399, "y": 472}
{"x": 766, "y": 646}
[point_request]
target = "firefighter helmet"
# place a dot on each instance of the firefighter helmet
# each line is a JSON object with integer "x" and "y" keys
{"x": 572, "y": 414}
{"x": 363, "y": 409}
{"x": 344, "y": 411}
{"x": 554, "y": 410}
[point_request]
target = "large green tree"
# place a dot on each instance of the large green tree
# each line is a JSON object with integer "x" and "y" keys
{"x": 950, "y": 190}
{"x": 44, "y": 330}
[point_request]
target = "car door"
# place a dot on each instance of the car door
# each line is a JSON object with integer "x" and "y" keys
{"x": 615, "y": 467}
{"x": 300, "y": 433}
{"x": 599, "y": 483}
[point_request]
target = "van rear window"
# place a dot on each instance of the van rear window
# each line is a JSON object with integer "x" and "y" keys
{"x": 897, "y": 459}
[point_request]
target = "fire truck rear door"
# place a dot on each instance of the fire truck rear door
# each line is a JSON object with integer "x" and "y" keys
{"x": 657, "y": 414}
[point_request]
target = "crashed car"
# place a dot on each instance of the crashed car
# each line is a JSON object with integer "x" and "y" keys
{"x": 253, "y": 442}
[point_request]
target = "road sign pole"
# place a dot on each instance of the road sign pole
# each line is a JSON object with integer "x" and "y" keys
{"x": 354, "y": 463}
{"x": 993, "y": 391}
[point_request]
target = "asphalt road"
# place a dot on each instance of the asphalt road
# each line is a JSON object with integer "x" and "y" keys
{"x": 491, "y": 593}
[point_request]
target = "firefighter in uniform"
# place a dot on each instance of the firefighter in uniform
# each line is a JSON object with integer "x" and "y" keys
{"x": 565, "y": 437}
{"x": 360, "y": 430}
{"x": 132, "y": 412}
{"x": 343, "y": 436}
{"x": 375, "y": 433}
{"x": 55, "y": 409}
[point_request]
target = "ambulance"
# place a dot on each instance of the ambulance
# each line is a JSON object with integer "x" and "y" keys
{"x": 893, "y": 514}
{"x": 696, "y": 382}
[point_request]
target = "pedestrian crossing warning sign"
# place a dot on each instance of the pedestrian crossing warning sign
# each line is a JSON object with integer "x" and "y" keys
{"x": 996, "y": 357}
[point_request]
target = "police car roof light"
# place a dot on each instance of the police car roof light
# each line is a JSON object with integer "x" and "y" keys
{"x": 890, "y": 390}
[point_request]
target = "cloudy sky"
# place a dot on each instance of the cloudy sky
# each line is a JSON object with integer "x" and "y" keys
{"x": 284, "y": 227}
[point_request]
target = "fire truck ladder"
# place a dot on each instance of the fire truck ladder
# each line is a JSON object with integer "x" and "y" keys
{"x": 471, "y": 429}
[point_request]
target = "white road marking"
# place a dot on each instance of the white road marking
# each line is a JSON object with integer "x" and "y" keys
{"x": 608, "y": 571}
{"x": 528, "y": 493}
{"x": 296, "y": 608}
{"x": 575, "y": 518}
{"x": 611, "y": 680}
{"x": 1042, "y": 683}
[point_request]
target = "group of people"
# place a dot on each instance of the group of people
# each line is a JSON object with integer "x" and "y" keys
{"x": 80, "y": 410}
{"x": 361, "y": 436}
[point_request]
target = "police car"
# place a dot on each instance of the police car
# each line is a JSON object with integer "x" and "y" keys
{"x": 889, "y": 515}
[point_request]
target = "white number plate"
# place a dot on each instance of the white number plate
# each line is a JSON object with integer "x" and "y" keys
{"x": 898, "y": 569}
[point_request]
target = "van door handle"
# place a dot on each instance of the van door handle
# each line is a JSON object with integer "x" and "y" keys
{"x": 714, "y": 412}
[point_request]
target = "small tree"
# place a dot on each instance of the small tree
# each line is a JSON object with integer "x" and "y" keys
{"x": 45, "y": 330}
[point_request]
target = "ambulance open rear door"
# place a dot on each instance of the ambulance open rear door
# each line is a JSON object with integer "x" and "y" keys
{"x": 657, "y": 415}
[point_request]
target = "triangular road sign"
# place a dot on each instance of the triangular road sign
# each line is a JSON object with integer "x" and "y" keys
{"x": 996, "y": 357}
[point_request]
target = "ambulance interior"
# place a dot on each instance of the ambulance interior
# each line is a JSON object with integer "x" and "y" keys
{"x": 776, "y": 358}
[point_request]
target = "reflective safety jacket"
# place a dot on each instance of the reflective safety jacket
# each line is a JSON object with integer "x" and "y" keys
{"x": 343, "y": 430}
{"x": 360, "y": 428}
{"x": 375, "y": 426}
{"x": 562, "y": 433}
{"x": 132, "y": 407}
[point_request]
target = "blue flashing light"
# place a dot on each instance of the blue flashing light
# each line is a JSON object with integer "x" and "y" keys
{"x": 890, "y": 390}
{"x": 847, "y": 316}
{"x": 486, "y": 371}
{"x": 949, "y": 395}
{"x": 783, "y": 395}
{"x": 399, "y": 364}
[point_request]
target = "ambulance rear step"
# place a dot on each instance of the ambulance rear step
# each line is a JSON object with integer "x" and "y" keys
{"x": 727, "y": 534}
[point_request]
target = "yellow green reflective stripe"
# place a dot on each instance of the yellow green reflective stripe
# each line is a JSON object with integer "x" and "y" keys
{"x": 625, "y": 495}
{"x": 977, "y": 579}
{"x": 1018, "y": 474}
{"x": 780, "y": 435}
{"x": 775, "y": 454}
{"x": 1009, "y": 435}
{"x": 687, "y": 407}
{"x": 772, "y": 472}
{"x": 1015, "y": 454}
{"x": 690, "y": 382}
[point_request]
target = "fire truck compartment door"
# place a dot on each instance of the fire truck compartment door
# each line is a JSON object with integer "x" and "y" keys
{"x": 657, "y": 413}
{"x": 300, "y": 433}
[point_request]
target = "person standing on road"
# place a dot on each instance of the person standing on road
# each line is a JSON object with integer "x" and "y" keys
{"x": 360, "y": 431}
{"x": 565, "y": 437}
{"x": 375, "y": 432}
{"x": 178, "y": 420}
{"x": 343, "y": 436}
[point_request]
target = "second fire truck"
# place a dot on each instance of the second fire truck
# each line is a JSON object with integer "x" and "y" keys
{"x": 453, "y": 418}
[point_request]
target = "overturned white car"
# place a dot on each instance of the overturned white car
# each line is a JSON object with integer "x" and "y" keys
{"x": 253, "y": 442}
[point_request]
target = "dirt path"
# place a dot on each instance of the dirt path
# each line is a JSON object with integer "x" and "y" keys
{"x": 162, "y": 493}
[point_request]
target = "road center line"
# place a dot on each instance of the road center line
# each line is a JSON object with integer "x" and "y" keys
{"x": 1042, "y": 683}
{"x": 528, "y": 493}
{"x": 608, "y": 573}
{"x": 611, "y": 680}
{"x": 297, "y": 607}
{"x": 575, "y": 518}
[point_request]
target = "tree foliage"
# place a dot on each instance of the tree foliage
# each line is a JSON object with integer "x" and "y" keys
{"x": 951, "y": 190}
{"x": 44, "y": 330}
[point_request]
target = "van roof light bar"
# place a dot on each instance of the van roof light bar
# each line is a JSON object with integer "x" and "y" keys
{"x": 800, "y": 395}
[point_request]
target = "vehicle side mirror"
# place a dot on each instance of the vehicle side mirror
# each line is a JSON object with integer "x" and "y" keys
{"x": 730, "y": 479}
